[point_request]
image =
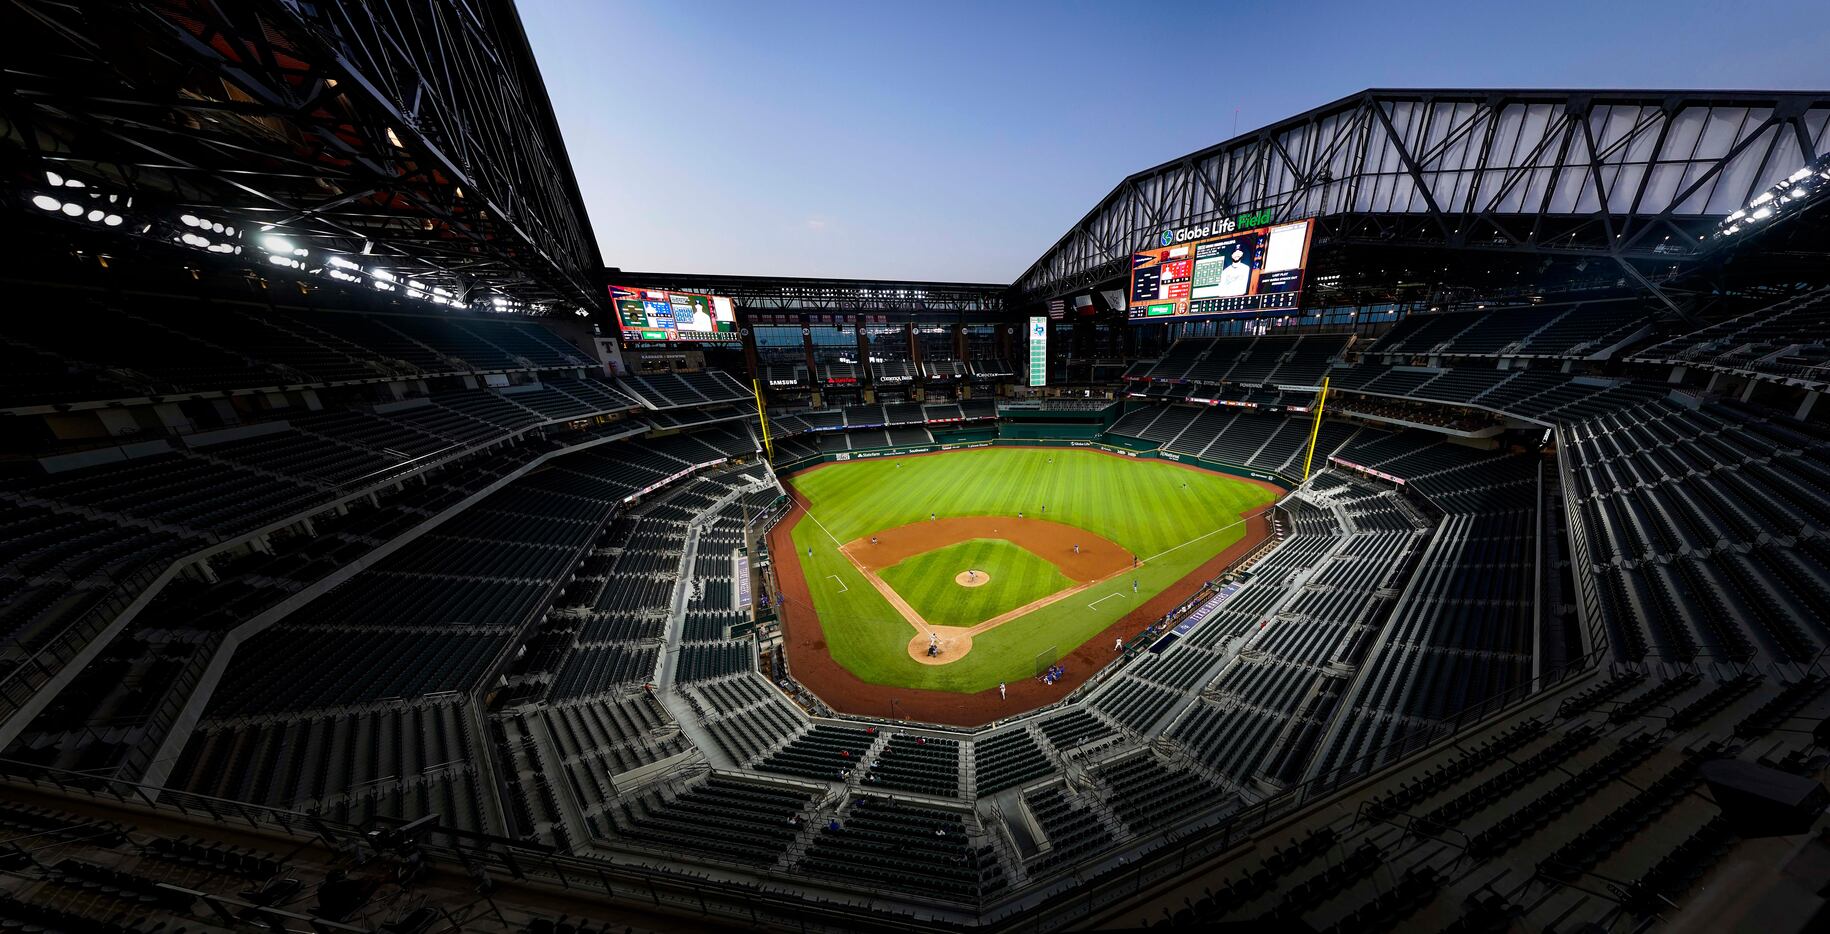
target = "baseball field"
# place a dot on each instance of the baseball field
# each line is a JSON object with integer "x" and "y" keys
{"x": 952, "y": 572}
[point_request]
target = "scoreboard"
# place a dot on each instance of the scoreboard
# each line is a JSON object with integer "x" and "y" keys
{"x": 660, "y": 315}
{"x": 1038, "y": 350}
{"x": 1193, "y": 273}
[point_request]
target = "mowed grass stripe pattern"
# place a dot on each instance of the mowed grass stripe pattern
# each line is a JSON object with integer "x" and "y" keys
{"x": 1148, "y": 507}
{"x": 1017, "y": 577}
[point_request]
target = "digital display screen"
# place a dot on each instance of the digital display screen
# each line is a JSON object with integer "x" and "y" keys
{"x": 660, "y": 315}
{"x": 1237, "y": 272}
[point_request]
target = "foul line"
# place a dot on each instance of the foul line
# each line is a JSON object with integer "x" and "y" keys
{"x": 842, "y": 587}
{"x": 816, "y": 519}
{"x": 1103, "y": 599}
{"x": 1239, "y": 521}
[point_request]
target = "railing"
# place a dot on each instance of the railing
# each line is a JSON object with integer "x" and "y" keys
{"x": 1169, "y": 854}
{"x": 34, "y": 670}
{"x": 171, "y": 703}
{"x": 1158, "y": 858}
{"x": 1588, "y": 603}
{"x": 38, "y": 667}
{"x": 499, "y": 858}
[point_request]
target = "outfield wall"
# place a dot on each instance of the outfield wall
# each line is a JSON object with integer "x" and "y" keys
{"x": 1127, "y": 447}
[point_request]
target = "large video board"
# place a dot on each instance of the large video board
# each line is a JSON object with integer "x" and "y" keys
{"x": 661, "y": 315}
{"x": 1224, "y": 268}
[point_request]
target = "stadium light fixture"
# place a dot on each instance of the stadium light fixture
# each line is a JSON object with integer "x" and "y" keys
{"x": 47, "y": 203}
{"x": 55, "y": 180}
{"x": 73, "y": 209}
{"x": 277, "y": 243}
{"x": 1805, "y": 184}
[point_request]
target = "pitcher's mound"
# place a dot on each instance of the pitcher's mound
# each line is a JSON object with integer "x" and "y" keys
{"x": 972, "y": 578}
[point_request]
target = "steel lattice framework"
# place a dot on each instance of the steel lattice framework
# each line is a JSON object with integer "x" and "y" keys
{"x": 418, "y": 130}
{"x": 1632, "y": 176}
{"x": 792, "y": 294}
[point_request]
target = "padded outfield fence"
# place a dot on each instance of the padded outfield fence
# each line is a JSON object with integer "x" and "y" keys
{"x": 1127, "y": 447}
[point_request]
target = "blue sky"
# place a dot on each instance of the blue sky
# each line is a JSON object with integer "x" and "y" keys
{"x": 958, "y": 140}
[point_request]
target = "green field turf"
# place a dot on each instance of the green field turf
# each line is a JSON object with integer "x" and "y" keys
{"x": 1016, "y": 577}
{"x": 1175, "y": 517}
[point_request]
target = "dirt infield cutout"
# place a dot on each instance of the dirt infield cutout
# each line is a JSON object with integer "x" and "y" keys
{"x": 1079, "y": 554}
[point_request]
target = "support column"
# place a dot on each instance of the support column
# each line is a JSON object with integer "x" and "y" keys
{"x": 866, "y": 378}
{"x": 920, "y": 389}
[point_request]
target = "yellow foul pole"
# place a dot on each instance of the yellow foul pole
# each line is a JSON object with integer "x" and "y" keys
{"x": 762, "y": 418}
{"x": 1315, "y": 429}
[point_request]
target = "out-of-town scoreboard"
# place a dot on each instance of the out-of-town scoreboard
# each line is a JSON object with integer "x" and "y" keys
{"x": 1038, "y": 351}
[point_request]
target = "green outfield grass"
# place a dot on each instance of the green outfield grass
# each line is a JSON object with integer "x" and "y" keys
{"x": 1016, "y": 577}
{"x": 1175, "y": 517}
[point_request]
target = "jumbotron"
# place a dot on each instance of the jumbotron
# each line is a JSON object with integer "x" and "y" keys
{"x": 1351, "y": 526}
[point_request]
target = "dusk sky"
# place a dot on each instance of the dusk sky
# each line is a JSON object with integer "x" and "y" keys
{"x": 958, "y": 140}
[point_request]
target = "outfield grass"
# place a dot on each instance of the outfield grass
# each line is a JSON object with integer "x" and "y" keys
{"x": 1175, "y": 517}
{"x": 1016, "y": 577}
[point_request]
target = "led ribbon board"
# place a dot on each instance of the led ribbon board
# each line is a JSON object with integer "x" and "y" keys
{"x": 1224, "y": 268}
{"x": 663, "y": 316}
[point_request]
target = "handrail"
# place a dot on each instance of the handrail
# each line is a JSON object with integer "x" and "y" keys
{"x": 74, "y": 638}
{"x": 1162, "y": 855}
{"x": 626, "y": 880}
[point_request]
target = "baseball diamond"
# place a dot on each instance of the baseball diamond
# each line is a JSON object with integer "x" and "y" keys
{"x": 1067, "y": 551}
